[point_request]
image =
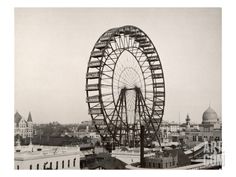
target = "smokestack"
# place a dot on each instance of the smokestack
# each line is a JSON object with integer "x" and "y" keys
{"x": 142, "y": 146}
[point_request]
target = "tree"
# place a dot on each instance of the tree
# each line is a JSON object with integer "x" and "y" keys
{"x": 18, "y": 137}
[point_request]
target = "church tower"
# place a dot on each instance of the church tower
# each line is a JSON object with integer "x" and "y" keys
{"x": 30, "y": 125}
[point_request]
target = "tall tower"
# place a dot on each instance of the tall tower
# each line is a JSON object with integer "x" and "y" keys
{"x": 30, "y": 125}
{"x": 187, "y": 122}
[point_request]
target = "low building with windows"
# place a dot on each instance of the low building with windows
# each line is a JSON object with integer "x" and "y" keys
{"x": 174, "y": 127}
{"x": 130, "y": 155}
{"x": 167, "y": 159}
{"x": 47, "y": 157}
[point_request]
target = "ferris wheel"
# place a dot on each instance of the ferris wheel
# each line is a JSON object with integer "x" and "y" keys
{"x": 125, "y": 87}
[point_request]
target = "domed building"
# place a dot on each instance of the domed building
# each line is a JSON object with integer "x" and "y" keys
{"x": 209, "y": 129}
{"x": 209, "y": 116}
{"x": 210, "y": 120}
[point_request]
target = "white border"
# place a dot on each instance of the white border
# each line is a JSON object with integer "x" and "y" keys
{"x": 117, "y": 3}
{"x": 7, "y": 82}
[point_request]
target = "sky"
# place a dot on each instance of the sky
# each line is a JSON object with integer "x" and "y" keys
{"x": 52, "y": 49}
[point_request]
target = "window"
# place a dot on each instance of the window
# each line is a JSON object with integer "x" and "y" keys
{"x": 18, "y": 167}
{"x": 62, "y": 165}
{"x": 37, "y": 166}
{"x": 74, "y": 162}
{"x": 30, "y": 167}
{"x": 200, "y": 138}
{"x": 44, "y": 165}
{"x": 56, "y": 164}
{"x": 68, "y": 163}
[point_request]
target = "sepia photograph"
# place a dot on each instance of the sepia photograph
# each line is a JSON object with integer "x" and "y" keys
{"x": 118, "y": 88}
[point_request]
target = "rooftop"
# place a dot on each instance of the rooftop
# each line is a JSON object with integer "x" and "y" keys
{"x": 39, "y": 152}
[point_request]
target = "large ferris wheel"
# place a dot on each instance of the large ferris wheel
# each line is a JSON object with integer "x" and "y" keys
{"x": 125, "y": 86}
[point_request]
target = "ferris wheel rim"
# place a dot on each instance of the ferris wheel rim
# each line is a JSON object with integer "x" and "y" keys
{"x": 114, "y": 31}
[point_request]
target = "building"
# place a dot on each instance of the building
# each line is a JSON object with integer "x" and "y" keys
{"x": 130, "y": 155}
{"x": 23, "y": 127}
{"x": 47, "y": 157}
{"x": 167, "y": 159}
{"x": 102, "y": 161}
{"x": 165, "y": 132}
{"x": 169, "y": 132}
{"x": 209, "y": 130}
{"x": 174, "y": 127}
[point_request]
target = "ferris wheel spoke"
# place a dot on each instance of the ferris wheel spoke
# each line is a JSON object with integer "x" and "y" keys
{"x": 126, "y": 41}
{"x": 124, "y": 80}
{"x": 137, "y": 78}
{"x": 132, "y": 42}
{"x": 125, "y": 83}
{"x": 135, "y": 48}
{"x": 117, "y": 50}
{"x": 122, "y": 42}
{"x": 142, "y": 65}
{"x": 110, "y": 102}
{"x": 148, "y": 76}
{"x": 117, "y": 46}
{"x": 114, "y": 51}
{"x": 129, "y": 43}
{"x": 106, "y": 75}
{"x": 135, "y": 51}
{"x": 146, "y": 69}
{"x": 149, "y": 99}
{"x": 142, "y": 55}
{"x": 109, "y": 67}
{"x": 122, "y": 77}
{"x": 108, "y": 55}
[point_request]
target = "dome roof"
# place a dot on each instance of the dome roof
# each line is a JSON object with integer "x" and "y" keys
{"x": 209, "y": 116}
{"x": 187, "y": 118}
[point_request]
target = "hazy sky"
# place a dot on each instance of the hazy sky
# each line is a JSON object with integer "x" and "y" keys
{"x": 52, "y": 48}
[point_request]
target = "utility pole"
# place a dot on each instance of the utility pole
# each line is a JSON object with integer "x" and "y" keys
{"x": 179, "y": 118}
{"x": 142, "y": 146}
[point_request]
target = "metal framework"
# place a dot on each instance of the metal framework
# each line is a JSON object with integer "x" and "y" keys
{"x": 125, "y": 86}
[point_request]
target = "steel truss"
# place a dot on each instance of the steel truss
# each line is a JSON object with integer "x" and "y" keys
{"x": 128, "y": 134}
